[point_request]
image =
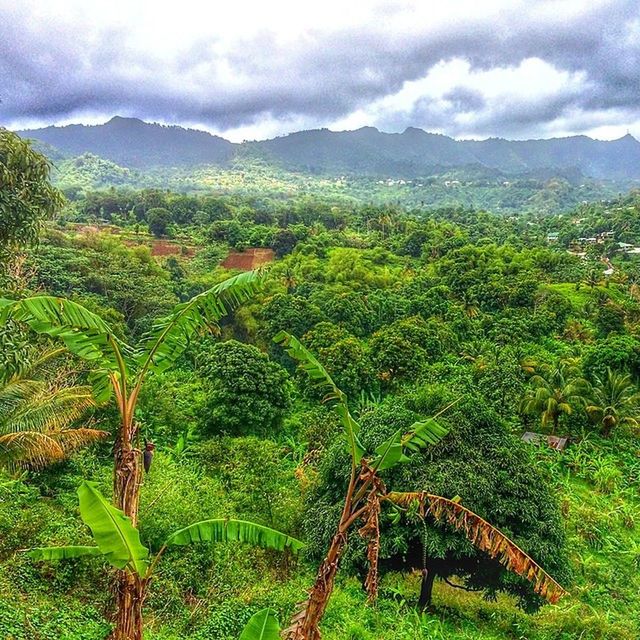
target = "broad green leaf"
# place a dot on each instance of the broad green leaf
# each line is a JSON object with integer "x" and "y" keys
{"x": 221, "y": 530}
{"x": 321, "y": 378}
{"x": 389, "y": 453}
{"x": 262, "y": 626}
{"x": 170, "y": 336}
{"x": 83, "y": 333}
{"x": 421, "y": 434}
{"x": 113, "y": 532}
{"x": 398, "y": 447}
{"x": 62, "y": 553}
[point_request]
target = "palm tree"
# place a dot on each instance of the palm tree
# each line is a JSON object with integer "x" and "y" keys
{"x": 593, "y": 279}
{"x": 37, "y": 416}
{"x": 614, "y": 401}
{"x": 576, "y": 331}
{"x": 470, "y": 305}
{"x": 366, "y": 494}
{"x": 555, "y": 390}
{"x": 289, "y": 279}
{"x": 119, "y": 371}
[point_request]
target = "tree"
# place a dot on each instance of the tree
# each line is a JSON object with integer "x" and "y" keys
{"x": 26, "y": 195}
{"x": 120, "y": 370}
{"x": 248, "y": 393}
{"x": 286, "y": 310}
{"x": 284, "y": 242}
{"x": 479, "y": 460}
{"x": 553, "y": 391}
{"x": 614, "y": 401}
{"x": 402, "y": 349}
{"x": 366, "y": 493}
{"x": 609, "y": 319}
{"x": 159, "y": 220}
{"x": 118, "y": 542}
{"x": 618, "y": 352}
{"x": 345, "y": 357}
{"x": 37, "y": 416}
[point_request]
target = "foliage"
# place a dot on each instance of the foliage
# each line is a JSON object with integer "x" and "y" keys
{"x": 555, "y": 390}
{"x": 472, "y": 303}
{"x": 481, "y": 463}
{"x": 614, "y": 402}
{"x": 158, "y": 220}
{"x": 26, "y": 196}
{"x": 38, "y": 415}
{"x": 118, "y": 541}
{"x": 247, "y": 393}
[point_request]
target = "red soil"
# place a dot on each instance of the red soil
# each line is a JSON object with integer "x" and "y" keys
{"x": 249, "y": 259}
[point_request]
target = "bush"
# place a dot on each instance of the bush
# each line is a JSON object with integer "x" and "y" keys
{"x": 247, "y": 392}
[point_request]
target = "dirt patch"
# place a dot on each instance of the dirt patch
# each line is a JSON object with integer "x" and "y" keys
{"x": 164, "y": 248}
{"x": 249, "y": 259}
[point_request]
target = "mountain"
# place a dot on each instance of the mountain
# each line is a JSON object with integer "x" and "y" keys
{"x": 133, "y": 143}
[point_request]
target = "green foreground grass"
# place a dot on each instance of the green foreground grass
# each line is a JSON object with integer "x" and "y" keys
{"x": 596, "y": 481}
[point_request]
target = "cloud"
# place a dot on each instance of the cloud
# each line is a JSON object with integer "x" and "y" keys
{"x": 253, "y": 69}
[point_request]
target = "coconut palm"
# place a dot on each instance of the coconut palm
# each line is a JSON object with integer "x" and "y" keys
{"x": 38, "y": 413}
{"x": 593, "y": 279}
{"x": 555, "y": 390}
{"x": 614, "y": 401}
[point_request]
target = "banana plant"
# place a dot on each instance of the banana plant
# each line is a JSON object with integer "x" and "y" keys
{"x": 117, "y": 542}
{"x": 366, "y": 493}
{"x": 262, "y": 626}
{"x": 119, "y": 371}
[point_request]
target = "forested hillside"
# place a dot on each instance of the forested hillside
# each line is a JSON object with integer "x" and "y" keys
{"x": 414, "y": 168}
{"x": 366, "y": 151}
{"x": 336, "y": 435}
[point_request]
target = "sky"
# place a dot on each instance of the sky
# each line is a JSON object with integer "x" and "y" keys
{"x": 254, "y": 69}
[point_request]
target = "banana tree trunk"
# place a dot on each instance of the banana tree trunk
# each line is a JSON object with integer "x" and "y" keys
{"x": 130, "y": 594}
{"x": 305, "y": 624}
{"x": 126, "y": 479}
{"x": 129, "y": 588}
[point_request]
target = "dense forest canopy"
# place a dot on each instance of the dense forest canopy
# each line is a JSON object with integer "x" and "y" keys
{"x": 495, "y": 324}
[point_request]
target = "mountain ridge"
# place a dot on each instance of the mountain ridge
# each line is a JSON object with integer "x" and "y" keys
{"x": 133, "y": 143}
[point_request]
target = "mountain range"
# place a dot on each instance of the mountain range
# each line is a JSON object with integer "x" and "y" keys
{"x": 130, "y": 142}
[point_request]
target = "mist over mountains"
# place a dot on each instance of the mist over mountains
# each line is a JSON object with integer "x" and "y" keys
{"x": 133, "y": 143}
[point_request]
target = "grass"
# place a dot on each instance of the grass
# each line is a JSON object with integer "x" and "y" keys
{"x": 584, "y": 294}
{"x": 597, "y": 485}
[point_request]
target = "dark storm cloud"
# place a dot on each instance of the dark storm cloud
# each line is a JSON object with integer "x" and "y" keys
{"x": 51, "y": 71}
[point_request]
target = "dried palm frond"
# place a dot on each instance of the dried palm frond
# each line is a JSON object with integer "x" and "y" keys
{"x": 485, "y": 537}
{"x": 29, "y": 449}
{"x": 43, "y": 408}
{"x": 35, "y": 450}
{"x": 73, "y": 439}
{"x": 37, "y": 414}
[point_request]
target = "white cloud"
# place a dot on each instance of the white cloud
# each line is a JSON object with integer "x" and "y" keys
{"x": 254, "y": 69}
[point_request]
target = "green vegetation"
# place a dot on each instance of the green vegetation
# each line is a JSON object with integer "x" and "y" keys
{"x": 26, "y": 196}
{"x": 364, "y": 395}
